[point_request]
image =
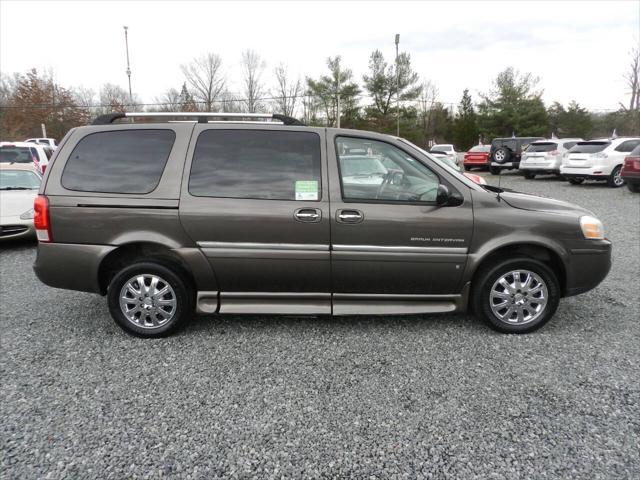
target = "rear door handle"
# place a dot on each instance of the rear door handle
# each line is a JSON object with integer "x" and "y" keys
{"x": 349, "y": 216}
{"x": 308, "y": 215}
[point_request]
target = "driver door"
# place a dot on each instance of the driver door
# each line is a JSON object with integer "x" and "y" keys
{"x": 388, "y": 237}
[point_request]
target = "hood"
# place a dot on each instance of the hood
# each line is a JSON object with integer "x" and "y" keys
{"x": 15, "y": 202}
{"x": 525, "y": 201}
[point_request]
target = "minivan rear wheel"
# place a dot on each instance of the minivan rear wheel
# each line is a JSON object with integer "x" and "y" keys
{"x": 149, "y": 299}
{"x": 517, "y": 295}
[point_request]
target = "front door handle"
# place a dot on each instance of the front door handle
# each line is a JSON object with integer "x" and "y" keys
{"x": 349, "y": 216}
{"x": 309, "y": 215}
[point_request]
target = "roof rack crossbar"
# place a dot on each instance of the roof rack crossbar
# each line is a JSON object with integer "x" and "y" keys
{"x": 200, "y": 117}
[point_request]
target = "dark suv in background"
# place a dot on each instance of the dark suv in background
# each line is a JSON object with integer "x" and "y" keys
{"x": 505, "y": 153}
{"x": 168, "y": 218}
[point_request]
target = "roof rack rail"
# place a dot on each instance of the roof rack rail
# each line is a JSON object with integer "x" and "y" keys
{"x": 200, "y": 117}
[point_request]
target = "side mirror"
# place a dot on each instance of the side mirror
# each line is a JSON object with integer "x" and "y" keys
{"x": 444, "y": 198}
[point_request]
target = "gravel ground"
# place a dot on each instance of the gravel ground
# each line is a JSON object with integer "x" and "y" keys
{"x": 257, "y": 397}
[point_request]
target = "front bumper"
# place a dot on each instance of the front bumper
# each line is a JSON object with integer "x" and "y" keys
{"x": 13, "y": 228}
{"x": 588, "y": 265}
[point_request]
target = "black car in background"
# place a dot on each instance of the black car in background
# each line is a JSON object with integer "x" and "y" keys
{"x": 505, "y": 152}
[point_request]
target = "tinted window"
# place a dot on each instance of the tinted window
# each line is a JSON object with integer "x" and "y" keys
{"x": 262, "y": 164}
{"x": 123, "y": 161}
{"x": 636, "y": 151}
{"x": 590, "y": 147}
{"x": 480, "y": 148}
{"x": 542, "y": 147}
{"x": 11, "y": 154}
{"x": 627, "y": 146}
{"x": 385, "y": 174}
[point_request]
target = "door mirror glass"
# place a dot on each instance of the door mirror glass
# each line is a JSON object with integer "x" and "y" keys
{"x": 442, "y": 197}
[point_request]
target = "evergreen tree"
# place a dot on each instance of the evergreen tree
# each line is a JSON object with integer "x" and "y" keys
{"x": 465, "y": 128}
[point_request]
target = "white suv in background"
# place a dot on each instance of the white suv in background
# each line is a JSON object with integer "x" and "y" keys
{"x": 599, "y": 159}
{"x": 23, "y": 152}
{"x": 545, "y": 156}
{"x": 51, "y": 142}
{"x": 448, "y": 149}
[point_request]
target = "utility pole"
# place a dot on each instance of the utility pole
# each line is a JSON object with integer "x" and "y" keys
{"x": 338, "y": 97}
{"x": 126, "y": 42}
{"x": 397, "y": 86}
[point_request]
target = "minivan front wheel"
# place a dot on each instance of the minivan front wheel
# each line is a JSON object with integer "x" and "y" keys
{"x": 517, "y": 295}
{"x": 149, "y": 299}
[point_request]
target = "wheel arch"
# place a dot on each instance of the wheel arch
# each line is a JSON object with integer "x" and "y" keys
{"x": 129, "y": 253}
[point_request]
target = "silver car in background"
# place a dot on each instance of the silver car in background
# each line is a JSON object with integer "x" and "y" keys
{"x": 19, "y": 184}
{"x": 545, "y": 156}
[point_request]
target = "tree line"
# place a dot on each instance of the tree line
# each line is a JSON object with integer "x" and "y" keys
{"x": 512, "y": 106}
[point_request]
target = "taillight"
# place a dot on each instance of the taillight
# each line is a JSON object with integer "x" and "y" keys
{"x": 44, "y": 167}
{"x": 41, "y": 220}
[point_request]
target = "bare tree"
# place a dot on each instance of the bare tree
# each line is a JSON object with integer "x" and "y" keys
{"x": 286, "y": 92}
{"x": 252, "y": 68}
{"x": 169, "y": 101}
{"x": 231, "y": 103}
{"x": 204, "y": 76}
{"x": 633, "y": 80}
{"x": 426, "y": 101}
{"x": 114, "y": 98}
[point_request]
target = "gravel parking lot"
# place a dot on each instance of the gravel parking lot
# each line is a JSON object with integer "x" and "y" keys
{"x": 262, "y": 397}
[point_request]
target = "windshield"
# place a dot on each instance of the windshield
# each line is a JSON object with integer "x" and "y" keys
{"x": 11, "y": 154}
{"x": 542, "y": 147}
{"x": 356, "y": 166}
{"x": 18, "y": 179}
{"x": 589, "y": 147}
{"x": 442, "y": 148}
{"x": 480, "y": 149}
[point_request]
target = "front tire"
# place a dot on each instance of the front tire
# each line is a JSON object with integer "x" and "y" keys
{"x": 516, "y": 296}
{"x": 149, "y": 299}
{"x": 615, "y": 180}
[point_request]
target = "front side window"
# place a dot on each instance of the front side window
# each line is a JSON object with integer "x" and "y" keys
{"x": 120, "y": 161}
{"x": 258, "y": 164}
{"x": 382, "y": 173}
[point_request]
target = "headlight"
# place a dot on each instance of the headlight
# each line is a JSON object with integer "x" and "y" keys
{"x": 28, "y": 215}
{"x": 591, "y": 228}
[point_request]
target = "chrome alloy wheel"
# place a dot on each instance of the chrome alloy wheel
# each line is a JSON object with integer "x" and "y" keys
{"x": 148, "y": 301}
{"x": 518, "y": 297}
{"x": 618, "y": 181}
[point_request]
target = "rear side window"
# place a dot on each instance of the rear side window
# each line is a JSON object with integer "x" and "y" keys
{"x": 122, "y": 161}
{"x": 627, "y": 146}
{"x": 590, "y": 147}
{"x": 259, "y": 164}
{"x": 542, "y": 147}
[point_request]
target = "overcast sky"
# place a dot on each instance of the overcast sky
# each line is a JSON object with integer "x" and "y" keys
{"x": 580, "y": 50}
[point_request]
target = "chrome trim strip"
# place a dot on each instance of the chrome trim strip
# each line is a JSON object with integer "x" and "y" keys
{"x": 264, "y": 246}
{"x": 392, "y": 249}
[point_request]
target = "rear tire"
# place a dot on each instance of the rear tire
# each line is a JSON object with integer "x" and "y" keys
{"x": 527, "y": 306}
{"x": 615, "y": 180}
{"x": 634, "y": 187}
{"x": 529, "y": 175}
{"x": 494, "y": 170}
{"x": 144, "y": 310}
{"x": 576, "y": 181}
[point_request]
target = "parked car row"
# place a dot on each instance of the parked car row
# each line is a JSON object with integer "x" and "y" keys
{"x": 19, "y": 184}
{"x": 35, "y": 154}
{"x": 575, "y": 159}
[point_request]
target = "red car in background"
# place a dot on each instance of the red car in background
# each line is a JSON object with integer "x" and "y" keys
{"x": 478, "y": 157}
{"x": 631, "y": 170}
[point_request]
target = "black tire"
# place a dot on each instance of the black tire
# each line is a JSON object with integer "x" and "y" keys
{"x": 184, "y": 302}
{"x": 615, "y": 180}
{"x": 501, "y": 155}
{"x": 634, "y": 187}
{"x": 576, "y": 180}
{"x": 484, "y": 280}
{"x": 529, "y": 175}
{"x": 494, "y": 170}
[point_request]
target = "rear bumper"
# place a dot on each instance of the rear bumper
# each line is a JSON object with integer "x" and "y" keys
{"x": 598, "y": 172}
{"x": 510, "y": 165}
{"x": 70, "y": 266}
{"x": 550, "y": 167}
{"x": 588, "y": 266}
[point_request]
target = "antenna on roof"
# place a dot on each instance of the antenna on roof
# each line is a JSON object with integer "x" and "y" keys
{"x": 614, "y": 134}
{"x": 513, "y": 134}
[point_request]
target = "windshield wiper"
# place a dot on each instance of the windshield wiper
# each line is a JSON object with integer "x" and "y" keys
{"x": 18, "y": 188}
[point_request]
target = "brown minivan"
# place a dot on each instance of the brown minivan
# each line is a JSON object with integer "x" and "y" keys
{"x": 168, "y": 216}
